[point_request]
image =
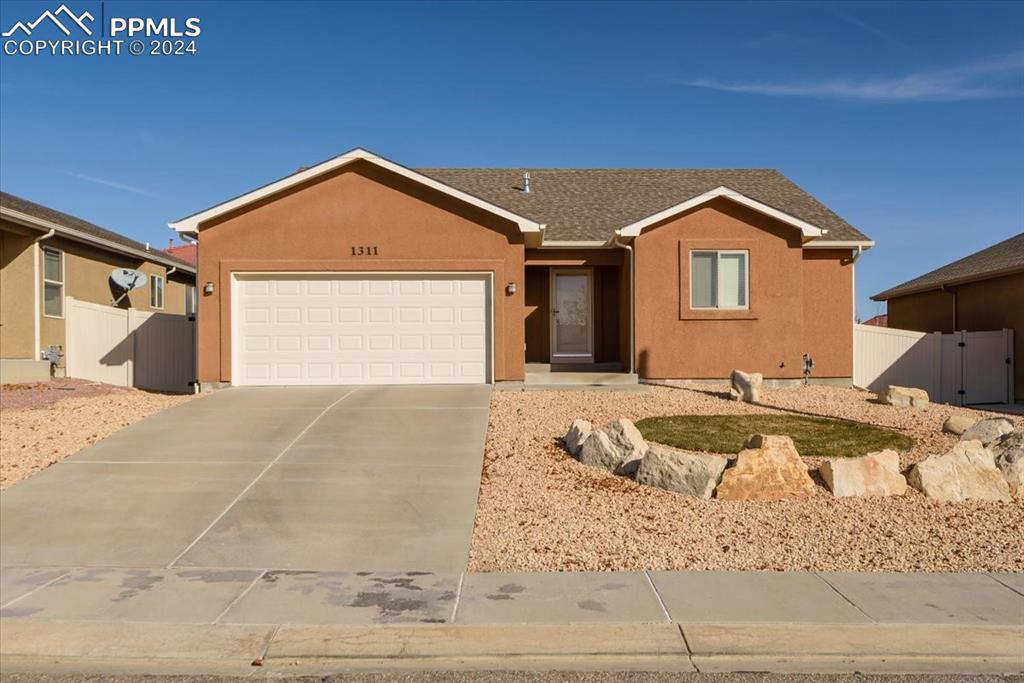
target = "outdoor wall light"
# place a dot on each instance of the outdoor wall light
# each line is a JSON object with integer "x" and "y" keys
{"x": 208, "y": 288}
{"x": 510, "y": 288}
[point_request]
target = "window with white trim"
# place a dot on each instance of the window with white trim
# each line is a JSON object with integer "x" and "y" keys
{"x": 718, "y": 279}
{"x": 156, "y": 291}
{"x": 190, "y": 299}
{"x": 53, "y": 282}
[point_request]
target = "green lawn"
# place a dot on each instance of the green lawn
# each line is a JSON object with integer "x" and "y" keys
{"x": 813, "y": 436}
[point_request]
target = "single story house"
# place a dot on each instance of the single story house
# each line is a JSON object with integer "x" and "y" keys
{"x": 983, "y": 291}
{"x": 47, "y": 256}
{"x": 359, "y": 270}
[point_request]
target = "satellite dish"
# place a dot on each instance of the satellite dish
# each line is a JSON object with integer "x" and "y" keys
{"x": 128, "y": 279}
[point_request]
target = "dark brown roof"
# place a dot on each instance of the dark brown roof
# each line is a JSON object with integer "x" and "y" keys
{"x": 45, "y": 213}
{"x": 1005, "y": 257}
{"x": 590, "y": 204}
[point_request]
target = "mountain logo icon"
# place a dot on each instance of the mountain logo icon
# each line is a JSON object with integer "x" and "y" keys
{"x": 54, "y": 17}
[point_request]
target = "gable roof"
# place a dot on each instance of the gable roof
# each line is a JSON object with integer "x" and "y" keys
{"x": 591, "y": 204}
{"x": 185, "y": 252}
{"x": 999, "y": 259}
{"x": 190, "y": 224}
{"x": 23, "y": 211}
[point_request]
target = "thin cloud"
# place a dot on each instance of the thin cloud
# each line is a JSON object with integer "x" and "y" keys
{"x": 110, "y": 183}
{"x": 871, "y": 29}
{"x": 996, "y": 78}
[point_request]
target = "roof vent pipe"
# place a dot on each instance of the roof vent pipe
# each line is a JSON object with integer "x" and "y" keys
{"x": 526, "y": 182}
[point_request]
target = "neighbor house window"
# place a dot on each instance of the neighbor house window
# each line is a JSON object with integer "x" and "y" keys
{"x": 53, "y": 282}
{"x": 156, "y": 291}
{"x": 718, "y": 279}
{"x": 190, "y": 299}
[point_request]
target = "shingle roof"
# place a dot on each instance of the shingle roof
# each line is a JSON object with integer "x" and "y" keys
{"x": 185, "y": 252}
{"x": 590, "y": 204}
{"x": 1007, "y": 256}
{"x": 45, "y": 213}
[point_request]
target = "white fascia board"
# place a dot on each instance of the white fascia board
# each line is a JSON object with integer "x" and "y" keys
{"x": 191, "y": 223}
{"x": 839, "y": 244}
{"x": 570, "y": 244}
{"x": 77, "y": 235}
{"x": 807, "y": 229}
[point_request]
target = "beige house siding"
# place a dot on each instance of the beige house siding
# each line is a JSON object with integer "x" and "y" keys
{"x": 991, "y": 304}
{"x": 16, "y": 326}
{"x": 86, "y": 278}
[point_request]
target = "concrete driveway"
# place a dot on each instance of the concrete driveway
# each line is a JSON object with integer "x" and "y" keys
{"x": 335, "y": 478}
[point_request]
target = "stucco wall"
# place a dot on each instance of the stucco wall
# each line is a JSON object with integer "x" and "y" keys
{"x": 86, "y": 278}
{"x": 313, "y": 227}
{"x": 991, "y": 304}
{"x": 799, "y": 302}
{"x": 16, "y": 325}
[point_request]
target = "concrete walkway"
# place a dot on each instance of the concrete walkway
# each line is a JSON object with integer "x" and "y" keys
{"x": 333, "y": 478}
{"x": 213, "y": 620}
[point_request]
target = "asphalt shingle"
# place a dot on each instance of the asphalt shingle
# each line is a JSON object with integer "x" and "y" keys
{"x": 1006, "y": 256}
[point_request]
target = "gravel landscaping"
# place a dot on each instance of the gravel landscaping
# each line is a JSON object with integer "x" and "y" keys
{"x": 540, "y": 510}
{"x": 41, "y": 424}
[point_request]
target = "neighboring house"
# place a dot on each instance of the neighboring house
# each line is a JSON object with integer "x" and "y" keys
{"x": 877, "y": 321}
{"x": 185, "y": 252}
{"x": 47, "y": 256}
{"x": 983, "y": 291}
{"x": 359, "y": 270}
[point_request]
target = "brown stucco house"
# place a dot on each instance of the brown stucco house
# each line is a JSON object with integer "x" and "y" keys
{"x": 47, "y": 256}
{"x": 982, "y": 291}
{"x": 359, "y": 270}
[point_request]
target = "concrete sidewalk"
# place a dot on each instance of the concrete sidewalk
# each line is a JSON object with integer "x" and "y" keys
{"x": 221, "y": 620}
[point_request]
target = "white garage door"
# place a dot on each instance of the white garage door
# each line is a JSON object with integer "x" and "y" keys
{"x": 414, "y": 328}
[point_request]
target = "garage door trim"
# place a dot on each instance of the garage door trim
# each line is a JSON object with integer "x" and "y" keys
{"x": 486, "y": 275}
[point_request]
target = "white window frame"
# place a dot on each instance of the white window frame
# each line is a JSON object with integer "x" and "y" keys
{"x": 191, "y": 298}
{"x": 47, "y": 281}
{"x": 718, "y": 285}
{"x": 153, "y": 279}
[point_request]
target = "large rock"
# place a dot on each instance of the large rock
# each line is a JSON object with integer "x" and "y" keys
{"x": 988, "y": 431}
{"x": 691, "y": 474}
{"x": 871, "y": 475}
{"x": 769, "y": 468}
{"x": 958, "y": 424}
{"x": 746, "y": 387}
{"x": 968, "y": 472}
{"x": 578, "y": 432}
{"x": 904, "y": 397}
{"x": 618, "y": 448}
{"x": 1009, "y": 457}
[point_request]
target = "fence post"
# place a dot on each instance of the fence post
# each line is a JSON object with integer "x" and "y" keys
{"x": 130, "y": 335}
{"x": 1011, "y": 390}
{"x": 936, "y": 392}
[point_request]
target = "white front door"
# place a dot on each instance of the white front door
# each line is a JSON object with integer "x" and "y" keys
{"x": 360, "y": 328}
{"x": 572, "y": 304}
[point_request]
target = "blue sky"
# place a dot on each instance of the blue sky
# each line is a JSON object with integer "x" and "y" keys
{"x": 906, "y": 119}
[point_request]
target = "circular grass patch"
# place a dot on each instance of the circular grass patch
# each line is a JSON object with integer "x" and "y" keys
{"x": 813, "y": 436}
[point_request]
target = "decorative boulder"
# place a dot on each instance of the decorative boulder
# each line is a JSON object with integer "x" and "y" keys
{"x": 618, "y": 448}
{"x": 988, "y": 431}
{"x": 578, "y": 432}
{"x": 746, "y": 387}
{"x": 1009, "y": 456}
{"x": 904, "y": 397}
{"x": 958, "y": 424}
{"x": 769, "y": 468}
{"x": 691, "y": 474}
{"x": 968, "y": 472}
{"x": 871, "y": 475}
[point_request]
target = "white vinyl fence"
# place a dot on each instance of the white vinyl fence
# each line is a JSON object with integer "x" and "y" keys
{"x": 129, "y": 348}
{"x": 959, "y": 368}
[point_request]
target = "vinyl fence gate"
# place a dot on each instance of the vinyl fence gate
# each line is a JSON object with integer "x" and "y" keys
{"x": 130, "y": 348}
{"x": 960, "y": 368}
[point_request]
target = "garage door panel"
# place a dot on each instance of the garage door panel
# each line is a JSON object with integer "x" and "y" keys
{"x": 346, "y": 329}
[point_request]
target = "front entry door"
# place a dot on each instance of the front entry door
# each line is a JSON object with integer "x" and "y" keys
{"x": 572, "y": 329}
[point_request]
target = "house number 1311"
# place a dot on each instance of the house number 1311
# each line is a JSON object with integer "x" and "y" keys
{"x": 364, "y": 251}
